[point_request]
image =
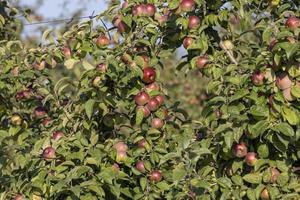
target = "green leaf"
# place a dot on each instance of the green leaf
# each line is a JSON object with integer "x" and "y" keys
{"x": 239, "y": 94}
{"x": 163, "y": 185}
{"x": 143, "y": 182}
{"x": 70, "y": 63}
{"x": 253, "y": 178}
{"x": 285, "y": 129}
{"x": 88, "y": 106}
{"x": 258, "y": 129}
{"x": 139, "y": 116}
{"x": 87, "y": 66}
{"x": 179, "y": 172}
{"x": 290, "y": 115}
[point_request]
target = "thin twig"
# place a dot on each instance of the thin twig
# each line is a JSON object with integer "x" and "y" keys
{"x": 229, "y": 53}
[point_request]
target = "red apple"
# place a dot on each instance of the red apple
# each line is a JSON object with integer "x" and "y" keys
{"x": 264, "y": 195}
{"x": 288, "y": 95}
{"x": 67, "y": 52}
{"x": 157, "y": 123}
{"x": 39, "y": 66}
{"x": 46, "y": 121}
{"x": 121, "y": 146}
{"x": 116, "y": 20}
{"x": 146, "y": 111}
{"x": 250, "y": 158}
{"x": 140, "y": 166}
{"x": 150, "y": 9}
{"x": 283, "y": 81}
{"x": 139, "y": 10}
{"x": 102, "y": 67}
{"x": 153, "y": 104}
{"x": 152, "y": 87}
{"x": 201, "y": 62}
{"x": 141, "y": 144}
{"x": 160, "y": 98}
{"x": 57, "y": 135}
{"x": 155, "y": 176}
{"x": 39, "y": 112}
{"x": 194, "y": 22}
{"x": 161, "y": 19}
{"x": 292, "y": 22}
{"x": 16, "y": 120}
{"x": 187, "y": 5}
{"x": 49, "y": 153}
{"x": 18, "y": 197}
{"x": 274, "y": 175}
{"x": 142, "y": 98}
{"x": 149, "y": 75}
{"x": 124, "y": 5}
{"x": 187, "y": 42}
{"x": 258, "y": 78}
{"x": 240, "y": 150}
{"x": 23, "y": 94}
{"x": 102, "y": 41}
{"x": 115, "y": 167}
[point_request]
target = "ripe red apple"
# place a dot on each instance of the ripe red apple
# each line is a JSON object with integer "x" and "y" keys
{"x": 194, "y": 22}
{"x": 57, "y": 135}
{"x": 121, "y": 156}
{"x": 149, "y": 75}
{"x": 18, "y": 197}
{"x": 16, "y": 120}
{"x": 39, "y": 112}
{"x": 140, "y": 166}
{"x": 161, "y": 19}
{"x": 152, "y": 87}
{"x": 187, "y": 5}
{"x": 102, "y": 67}
{"x": 157, "y": 123}
{"x": 49, "y": 153}
{"x": 153, "y": 104}
{"x": 155, "y": 176}
{"x": 240, "y": 150}
{"x": 67, "y": 52}
{"x": 150, "y": 9}
{"x": 187, "y": 42}
{"x": 288, "y": 95}
{"x": 121, "y": 146}
{"x": 146, "y": 111}
{"x": 250, "y": 158}
{"x": 102, "y": 41}
{"x": 283, "y": 81}
{"x": 139, "y": 10}
{"x": 258, "y": 78}
{"x": 160, "y": 98}
{"x": 142, "y": 98}
{"x": 274, "y": 175}
{"x": 201, "y": 62}
{"x": 23, "y": 94}
{"x": 264, "y": 195}
{"x": 46, "y": 121}
{"x": 141, "y": 144}
{"x": 228, "y": 45}
{"x": 292, "y": 22}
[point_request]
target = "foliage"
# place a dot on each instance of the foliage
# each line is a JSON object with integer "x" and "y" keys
{"x": 93, "y": 137}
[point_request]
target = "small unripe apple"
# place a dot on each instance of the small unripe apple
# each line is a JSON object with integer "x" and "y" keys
{"x": 292, "y": 22}
{"x": 141, "y": 144}
{"x": 201, "y": 62}
{"x": 152, "y": 87}
{"x": 274, "y": 175}
{"x": 150, "y": 9}
{"x": 157, "y": 123}
{"x": 145, "y": 110}
{"x": 142, "y": 98}
{"x": 39, "y": 112}
{"x": 149, "y": 75}
{"x": 194, "y": 22}
{"x": 121, "y": 156}
{"x": 16, "y": 120}
{"x": 121, "y": 146}
{"x": 96, "y": 81}
{"x": 57, "y": 135}
{"x": 18, "y": 197}
{"x": 187, "y": 42}
{"x": 228, "y": 45}
{"x": 250, "y": 158}
{"x": 187, "y": 5}
{"x": 102, "y": 41}
{"x": 264, "y": 195}
{"x": 140, "y": 166}
{"x": 153, "y": 104}
{"x": 258, "y": 78}
{"x": 67, "y": 52}
{"x": 49, "y": 153}
{"x": 240, "y": 150}
{"x": 160, "y": 98}
{"x": 155, "y": 176}
{"x": 283, "y": 81}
